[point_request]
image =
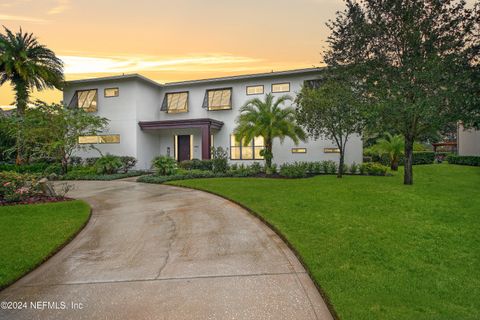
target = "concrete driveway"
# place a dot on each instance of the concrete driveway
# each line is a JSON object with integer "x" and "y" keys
{"x": 161, "y": 252}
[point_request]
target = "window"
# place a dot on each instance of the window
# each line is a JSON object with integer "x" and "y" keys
{"x": 299, "y": 150}
{"x": 218, "y": 99}
{"x": 254, "y": 90}
{"x": 85, "y": 99}
{"x": 238, "y": 151}
{"x": 100, "y": 139}
{"x": 111, "y": 92}
{"x": 313, "y": 84}
{"x": 281, "y": 87}
{"x": 331, "y": 150}
{"x": 175, "y": 102}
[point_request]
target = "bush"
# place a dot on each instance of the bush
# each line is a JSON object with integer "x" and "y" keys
{"x": 426, "y": 157}
{"x": 90, "y": 161}
{"x": 196, "y": 164}
{"x": 373, "y": 169}
{"x": 332, "y": 167}
{"x": 16, "y": 187}
{"x": 75, "y": 161}
{"x": 219, "y": 160}
{"x": 189, "y": 175}
{"x": 108, "y": 164}
{"x": 442, "y": 156}
{"x": 294, "y": 170}
{"x": 38, "y": 167}
{"x": 165, "y": 165}
{"x": 464, "y": 160}
{"x": 353, "y": 168}
{"x": 128, "y": 163}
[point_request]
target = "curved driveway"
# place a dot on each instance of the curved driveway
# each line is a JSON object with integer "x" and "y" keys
{"x": 161, "y": 252}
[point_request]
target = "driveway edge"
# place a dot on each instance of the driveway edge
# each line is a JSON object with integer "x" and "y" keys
{"x": 54, "y": 252}
{"x": 284, "y": 239}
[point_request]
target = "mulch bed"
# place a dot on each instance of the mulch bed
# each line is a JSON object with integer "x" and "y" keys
{"x": 36, "y": 200}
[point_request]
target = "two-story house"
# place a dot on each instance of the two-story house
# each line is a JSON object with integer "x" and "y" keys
{"x": 185, "y": 119}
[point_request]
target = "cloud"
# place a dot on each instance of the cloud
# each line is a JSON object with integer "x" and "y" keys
{"x": 61, "y": 6}
{"x": 195, "y": 63}
{"x": 21, "y": 18}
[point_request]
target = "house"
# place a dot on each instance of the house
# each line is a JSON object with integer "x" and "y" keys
{"x": 185, "y": 119}
{"x": 468, "y": 141}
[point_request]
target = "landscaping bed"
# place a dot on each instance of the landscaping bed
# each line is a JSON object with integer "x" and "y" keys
{"x": 29, "y": 234}
{"x": 377, "y": 248}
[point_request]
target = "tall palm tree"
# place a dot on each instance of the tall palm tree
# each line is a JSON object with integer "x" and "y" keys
{"x": 392, "y": 146}
{"x": 28, "y": 65}
{"x": 269, "y": 120}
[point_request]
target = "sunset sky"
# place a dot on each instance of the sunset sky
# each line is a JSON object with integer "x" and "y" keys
{"x": 173, "y": 40}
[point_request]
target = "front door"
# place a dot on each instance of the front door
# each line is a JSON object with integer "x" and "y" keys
{"x": 183, "y": 147}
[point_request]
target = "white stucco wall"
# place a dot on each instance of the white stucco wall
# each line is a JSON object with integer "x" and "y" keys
{"x": 140, "y": 100}
{"x": 468, "y": 142}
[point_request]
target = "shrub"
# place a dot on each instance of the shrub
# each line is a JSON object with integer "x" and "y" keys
{"x": 256, "y": 168}
{"x": 442, "y": 156}
{"x": 38, "y": 167}
{"x": 353, "y": 168}
{"x": 90, "y": 161}
{"x": 16, "y": 187}
{"x": 294, "y": 170}
{"x": 324, "y": 166}
{"x": 373, "y": 169}
{"x": 128, "y": 163}
{"x": 464, "y": 160}
{"x": 108, "y": 164}
{"x": 219, "y": 160}
{"x": 165, "y": 165}
{"x": 193, "y": 174}
{"x": 331, "y": 167}
{"x": 75, "y": 161}
{"x": 426, "y": 157}
{"x": 196, "y": 164}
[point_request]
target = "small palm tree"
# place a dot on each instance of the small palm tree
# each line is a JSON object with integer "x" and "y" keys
{"x": 269, "y": 120}
{"x": 393, "y": 146}
{"x": 27, "y": 65}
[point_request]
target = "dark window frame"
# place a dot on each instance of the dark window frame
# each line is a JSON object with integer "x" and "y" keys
{"x": 254, "y": 94}
{"x": 277, "y": 83}
{"x": 105, "y": 92}
{"x": 74, "y": 101}
{"x": 241, "y": 146}
{"x": 164, "y": 106}
{"x": 205, "y": 104}
{"x": 313, "y": 83}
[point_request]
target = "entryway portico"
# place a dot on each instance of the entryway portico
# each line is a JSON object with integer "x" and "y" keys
{"x": 183, "y": 139}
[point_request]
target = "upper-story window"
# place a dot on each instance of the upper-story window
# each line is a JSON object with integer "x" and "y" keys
{"x": 175, "y": 102}
{"x": 281, "y": 87}
{"x": 85, "y": 99}
{"x": 111, "y": 92}
{"x": 218, "y": 99}
{"x": 313, "y": 84}
{"x": 255, "y": 90}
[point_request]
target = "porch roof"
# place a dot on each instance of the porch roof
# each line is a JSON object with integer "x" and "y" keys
{"x": 181, "y": 124}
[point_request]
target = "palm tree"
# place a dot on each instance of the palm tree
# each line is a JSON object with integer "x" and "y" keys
{"x": 28, "y": 65}
{"x": 269, "y": 120}
{"x": 392, "y": 146}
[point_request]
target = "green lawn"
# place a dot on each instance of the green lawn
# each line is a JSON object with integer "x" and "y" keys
{"x": 31, "y": 233}
{"x": 379, "y": 249}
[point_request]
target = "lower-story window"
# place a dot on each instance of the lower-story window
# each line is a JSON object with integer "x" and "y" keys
{"x": 331, "y": 150}
{"x": 299, "y": 150}
{"x": 100, "y": 139}
{"x": 250, "y": 151}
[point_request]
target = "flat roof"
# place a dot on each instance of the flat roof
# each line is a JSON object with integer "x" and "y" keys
{"x": 208, "y": 80}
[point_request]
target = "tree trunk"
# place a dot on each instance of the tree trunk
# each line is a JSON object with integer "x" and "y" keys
{"x": 268, "y": 156}
{"x": 394, "y": 165}
{"x": 21, "y": 95}
{"x": 408, "y": 174}
{"x": 341, "y": 164}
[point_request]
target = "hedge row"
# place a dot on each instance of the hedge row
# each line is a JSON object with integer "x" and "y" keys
{"x": 464, "y": 160}
{"x": 420, "y": 157}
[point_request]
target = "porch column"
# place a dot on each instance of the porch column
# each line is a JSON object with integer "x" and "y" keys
{"x": 206, "y": 142}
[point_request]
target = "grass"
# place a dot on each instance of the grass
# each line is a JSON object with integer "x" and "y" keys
{"x": 378, "y": 249}
{"x": 31, "y": 233}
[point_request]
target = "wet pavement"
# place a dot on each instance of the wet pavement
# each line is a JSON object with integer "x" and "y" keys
{"x": 161, "y": 252}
